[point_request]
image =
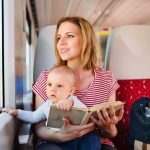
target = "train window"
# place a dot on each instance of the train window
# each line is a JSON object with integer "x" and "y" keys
{"x": 28, "y": 53}
{"x": 28, "y": 67}
{"x": 1, "y": 75}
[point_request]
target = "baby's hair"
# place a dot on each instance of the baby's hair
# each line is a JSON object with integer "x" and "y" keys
{"x": 63, "y": 69}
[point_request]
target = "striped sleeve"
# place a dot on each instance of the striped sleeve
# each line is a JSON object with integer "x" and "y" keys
{"x": 113, "y": 85}
{"x": 40, "y": 85}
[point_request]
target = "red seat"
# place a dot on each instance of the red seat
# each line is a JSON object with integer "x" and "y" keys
{"x": 129, "y": 92}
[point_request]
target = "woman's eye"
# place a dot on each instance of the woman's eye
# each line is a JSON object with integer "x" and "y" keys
{"x": 70, "y": 36}
{"x": 58, "y": 38}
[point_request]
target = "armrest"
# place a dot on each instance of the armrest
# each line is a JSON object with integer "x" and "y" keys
{"x": 25, "y": 137}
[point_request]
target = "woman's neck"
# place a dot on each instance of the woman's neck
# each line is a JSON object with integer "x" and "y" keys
{"x": 76, "y": 66}
{"x": 83, "y": 77}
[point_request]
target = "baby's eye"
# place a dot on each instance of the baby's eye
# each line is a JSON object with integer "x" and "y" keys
{"x": 59, "y": 85}
{"x": 49, "y": 84}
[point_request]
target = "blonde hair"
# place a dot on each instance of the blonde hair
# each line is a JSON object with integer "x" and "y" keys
{"x": 91, "y": 56}
{"x": 66, "y": 71}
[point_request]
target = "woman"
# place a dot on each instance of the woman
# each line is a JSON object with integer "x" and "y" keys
{"x": 76, "y": 46}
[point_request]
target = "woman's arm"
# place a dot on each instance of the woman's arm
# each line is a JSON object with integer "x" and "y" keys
{"x": 68, "y": 131}
{"x": 107, "y": 122}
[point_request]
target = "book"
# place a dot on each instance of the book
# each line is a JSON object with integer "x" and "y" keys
{"x": 78, "y": 116}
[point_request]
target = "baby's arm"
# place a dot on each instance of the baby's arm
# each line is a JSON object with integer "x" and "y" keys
{"x": 29, "y": 116}
{"x": 12, "y": 112}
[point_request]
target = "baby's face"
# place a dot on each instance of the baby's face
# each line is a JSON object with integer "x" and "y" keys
{"x": 58, "y": 87}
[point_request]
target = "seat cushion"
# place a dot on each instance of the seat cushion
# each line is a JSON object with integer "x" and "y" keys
{"x": 129, "y": 92}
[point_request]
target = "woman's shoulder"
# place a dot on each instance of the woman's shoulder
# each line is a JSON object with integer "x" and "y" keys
{"x": 102, "y": 71}
{"x": 43, "y": 75}
{"x": 104, "y": 75}
{"x": 45, "y": 72}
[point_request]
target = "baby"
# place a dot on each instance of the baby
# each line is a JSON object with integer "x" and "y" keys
{"x": 60, "y": 88}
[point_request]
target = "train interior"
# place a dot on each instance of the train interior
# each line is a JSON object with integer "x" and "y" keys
{"x": 27, "y": 48}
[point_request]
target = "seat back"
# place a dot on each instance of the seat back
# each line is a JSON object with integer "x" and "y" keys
{"x": 45, "y": 54}
{"x": 128, "y": 51}
{"x": 127, "y": 56}
{"x": 44, "y": 59}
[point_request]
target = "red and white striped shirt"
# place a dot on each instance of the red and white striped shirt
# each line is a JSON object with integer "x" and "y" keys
{"x": 101, "y": 88}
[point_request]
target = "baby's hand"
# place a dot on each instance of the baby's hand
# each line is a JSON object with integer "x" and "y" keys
{"x": 13, "y": 112}
{"x": 65, "y": 105}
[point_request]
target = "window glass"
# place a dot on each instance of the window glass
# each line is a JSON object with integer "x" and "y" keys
{"x": 28, "y": 53}
{"x": 1, "y": 92}
{"x": 28, "y": 67}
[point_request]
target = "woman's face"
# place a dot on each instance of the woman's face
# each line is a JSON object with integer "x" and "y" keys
{"x": 69, "y": 41}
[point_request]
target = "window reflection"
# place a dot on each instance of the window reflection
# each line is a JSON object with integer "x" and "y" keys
{"x": 24, "y": 69}
{"x": 20, "y": 78}
{"x": 1, "y": 96}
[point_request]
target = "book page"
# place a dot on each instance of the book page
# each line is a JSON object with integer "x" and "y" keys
{"x": 56, "y": 116}
{"x": 116, "y": 104}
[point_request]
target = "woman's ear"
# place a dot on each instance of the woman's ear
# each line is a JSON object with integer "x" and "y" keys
{"x": 72, "y": 90}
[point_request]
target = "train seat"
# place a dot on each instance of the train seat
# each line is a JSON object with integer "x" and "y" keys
{"x": 45, "y": 54}
{"x": 127, "y": 56}
{"x": 44, "y": 58}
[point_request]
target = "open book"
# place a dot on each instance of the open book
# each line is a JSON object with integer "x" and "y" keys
{"x": 78, "y": 116}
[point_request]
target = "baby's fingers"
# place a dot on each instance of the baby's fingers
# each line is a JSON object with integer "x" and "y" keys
{"x": 63, "y": 106}
{"x": 5, "y": 110}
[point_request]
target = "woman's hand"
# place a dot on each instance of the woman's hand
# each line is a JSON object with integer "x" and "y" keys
{"x": 67, "y": 132}
{"x": 107, "y": 122}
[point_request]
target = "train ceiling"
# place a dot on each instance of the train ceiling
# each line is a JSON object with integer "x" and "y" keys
{"x": 100, "y": 13}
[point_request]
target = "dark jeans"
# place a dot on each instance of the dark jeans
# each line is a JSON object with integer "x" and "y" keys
{"x": 51, "y": 146}
{"x": 89, "y": 141}
{"x": 107, "y": 147}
